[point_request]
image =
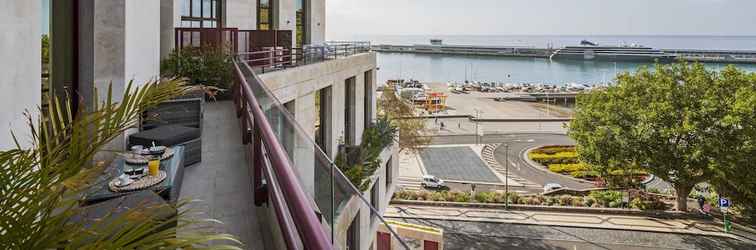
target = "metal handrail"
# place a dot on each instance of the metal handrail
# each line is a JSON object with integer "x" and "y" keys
{"x": 297, "y": 203}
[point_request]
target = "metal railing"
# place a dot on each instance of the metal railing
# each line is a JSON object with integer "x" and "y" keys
{"x": 279, "y": 58}
{"x": 306, "y": 216}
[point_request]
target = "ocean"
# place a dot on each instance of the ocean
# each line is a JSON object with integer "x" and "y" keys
{"x": 452, "y": 68}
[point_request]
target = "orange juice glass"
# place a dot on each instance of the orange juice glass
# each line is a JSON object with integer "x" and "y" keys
{"x": 154, "y": 166}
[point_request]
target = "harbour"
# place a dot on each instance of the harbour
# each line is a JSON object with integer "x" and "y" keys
{"x": 666, "y": 55}
{"x": 446, "y": 68}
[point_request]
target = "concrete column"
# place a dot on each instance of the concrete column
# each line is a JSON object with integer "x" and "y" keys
{"x": 359, "y": 108}
{"x": 338, "y": 101}
{"x": 119, "y": 41}
{"x": 20, "y": 74}
{"x": 316, "y": 22}
{"x": 285, "y": 17}
{"x": 170, "y": 18}
{"x": 241, "y": 14}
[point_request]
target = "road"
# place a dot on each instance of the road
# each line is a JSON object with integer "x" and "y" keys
{"x": 518, "y": 143}
{"x": 488, "y": 235}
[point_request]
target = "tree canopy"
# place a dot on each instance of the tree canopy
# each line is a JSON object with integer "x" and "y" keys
{"x": 680, "y": 122}
{"x": 412, "y": 132}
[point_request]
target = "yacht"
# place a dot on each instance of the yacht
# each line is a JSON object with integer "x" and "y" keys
{"x": 588, "y": 50}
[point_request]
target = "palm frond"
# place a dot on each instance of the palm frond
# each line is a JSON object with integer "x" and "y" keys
{"x": 41, "y": 184}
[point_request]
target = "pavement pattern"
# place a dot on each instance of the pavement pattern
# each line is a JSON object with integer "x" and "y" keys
{"x": 476, "y": 228}
{"x": 490, "y": 235}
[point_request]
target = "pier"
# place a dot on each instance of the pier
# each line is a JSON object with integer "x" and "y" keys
{"x": 691, "y": 55}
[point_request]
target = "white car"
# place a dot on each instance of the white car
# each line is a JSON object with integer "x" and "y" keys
{"x": 551, "y": 186}
{"x": 430, "y": 181}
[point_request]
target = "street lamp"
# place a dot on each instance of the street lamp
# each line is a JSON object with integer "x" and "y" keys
{"x": 506, "y": 176}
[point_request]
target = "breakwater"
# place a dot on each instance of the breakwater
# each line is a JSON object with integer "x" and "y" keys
{"x": 692, "y": 55}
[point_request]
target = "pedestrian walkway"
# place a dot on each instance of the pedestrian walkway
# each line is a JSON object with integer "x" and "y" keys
{"x": 583, "y": 220}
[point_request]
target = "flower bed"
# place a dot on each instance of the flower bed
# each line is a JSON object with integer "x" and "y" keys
{"x": 564, "y": 160}
{"x": 596, "y": 199}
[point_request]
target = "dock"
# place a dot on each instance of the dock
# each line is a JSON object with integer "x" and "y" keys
{"x": 691, "y": 55}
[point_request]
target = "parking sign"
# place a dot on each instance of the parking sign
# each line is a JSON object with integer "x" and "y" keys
{"x": 724, "y": 202}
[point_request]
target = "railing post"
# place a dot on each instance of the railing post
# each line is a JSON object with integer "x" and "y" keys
{"x": 261, "y": 191}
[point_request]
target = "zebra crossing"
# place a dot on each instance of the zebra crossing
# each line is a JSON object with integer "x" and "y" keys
{"x": 488, "y": 157}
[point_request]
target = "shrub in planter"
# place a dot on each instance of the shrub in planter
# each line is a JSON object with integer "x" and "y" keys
{"x": 578, "y": 201}
{"x": 606, "y": 197}
{"x": 514, "y": 198}
{"x": 596, "y": 205}
{"x": 615, "y": 204}
{"x": 209, "y": 66}
{"x": 589, "y": 201}
{"x": 422, "y": 196}
{"x": 551, "y": 201}
{"x": 438, "y": 196}
{"x": 484, "y": 197}
{"x": 462, "y": 197}
{"x": 565, "y": 200}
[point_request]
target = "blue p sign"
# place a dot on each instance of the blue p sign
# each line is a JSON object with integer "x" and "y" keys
{"x": 724, "y": 202}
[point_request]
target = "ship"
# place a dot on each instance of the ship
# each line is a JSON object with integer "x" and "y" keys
{"x": 588, "y": 50}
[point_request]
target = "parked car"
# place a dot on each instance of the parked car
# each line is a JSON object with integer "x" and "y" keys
{"x": 551, "y": 186}
{"x": 430, "y": 181}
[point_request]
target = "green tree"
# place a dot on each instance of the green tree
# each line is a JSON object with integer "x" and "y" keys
{"x": 40, "y": 185}
{"x": 401, "y": 114}
{"x": 680, "y": 122}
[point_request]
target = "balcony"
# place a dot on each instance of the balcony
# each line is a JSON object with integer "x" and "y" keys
{"x": 263, "y": 174}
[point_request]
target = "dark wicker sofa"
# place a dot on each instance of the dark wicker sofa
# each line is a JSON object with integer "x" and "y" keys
{"x": 175, "y": 122}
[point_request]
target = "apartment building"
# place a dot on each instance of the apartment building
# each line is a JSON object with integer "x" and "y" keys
{"x": 94, "y": 43}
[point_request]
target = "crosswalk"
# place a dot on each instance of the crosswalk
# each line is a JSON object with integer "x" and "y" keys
{"x": 407, "y": 183}
{"x": 488, "y": 157}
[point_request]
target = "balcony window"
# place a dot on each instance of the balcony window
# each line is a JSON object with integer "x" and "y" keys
{"x": 264, "y": 15}
{"x": 374, "y": 196}
{"x": 200, "y": 13}
{"x": 368, "y": 103}
{"x": 301, "y": 22}
{"x": 349, "y": 98}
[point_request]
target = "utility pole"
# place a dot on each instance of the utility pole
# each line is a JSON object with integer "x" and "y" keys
{"x": 506, "y": 176}
{"x": 477, "y": 132}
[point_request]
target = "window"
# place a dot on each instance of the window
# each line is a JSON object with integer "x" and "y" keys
{"x": 301, "y": 25}
{"x": 389, "y": 175}
{"x": 323, "y": 122}
{"x": 374, "y": 196}
{"x": 264, "y": 15}
{"x": 200, "y": 13}
{"x": 349, "y": 111}
{"x": 368, "y": 107}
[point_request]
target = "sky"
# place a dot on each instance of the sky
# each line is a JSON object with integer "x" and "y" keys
{"x": 346, "y": 18}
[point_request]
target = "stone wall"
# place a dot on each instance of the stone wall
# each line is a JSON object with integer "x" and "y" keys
{"x": 20, "y": 74}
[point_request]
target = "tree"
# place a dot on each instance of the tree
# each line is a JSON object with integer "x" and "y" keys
{"x": 40, "y": 185}
{"x": 736, "y": 168}
{"x": 680, "y": 122}
{"x": 412, "y": 130}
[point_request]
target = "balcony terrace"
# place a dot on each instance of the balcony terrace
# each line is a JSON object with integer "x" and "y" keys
{"x": 263, "y": 175}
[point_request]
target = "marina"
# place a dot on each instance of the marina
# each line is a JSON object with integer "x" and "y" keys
{"x": 585, "y": 51}
{"x": 443, "y": 68}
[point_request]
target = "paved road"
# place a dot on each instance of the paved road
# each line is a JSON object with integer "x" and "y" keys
{"x": 487, "y": 235}
{"x": 518, "y": 143}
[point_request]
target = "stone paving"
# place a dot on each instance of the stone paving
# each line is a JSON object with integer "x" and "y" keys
{"x": 457, "y": 163}
{"x": 604, "y": 221}
{"x": 220, "y": 184}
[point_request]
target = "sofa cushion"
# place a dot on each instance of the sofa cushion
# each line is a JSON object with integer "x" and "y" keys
{"x": 169, "y": 135}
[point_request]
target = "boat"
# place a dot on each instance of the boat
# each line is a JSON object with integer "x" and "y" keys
{"x": 588, "y": 50}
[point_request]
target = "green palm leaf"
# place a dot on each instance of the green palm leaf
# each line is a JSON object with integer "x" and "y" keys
{"x": 41, "y": 184}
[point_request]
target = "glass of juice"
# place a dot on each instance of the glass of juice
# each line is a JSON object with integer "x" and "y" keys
{"x": 154, "y": 166}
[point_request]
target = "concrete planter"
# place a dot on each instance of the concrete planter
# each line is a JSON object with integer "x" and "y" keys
{"x": 587, "y": 210}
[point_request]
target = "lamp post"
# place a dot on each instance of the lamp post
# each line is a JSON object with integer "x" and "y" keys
{"x": 506, "y": 176}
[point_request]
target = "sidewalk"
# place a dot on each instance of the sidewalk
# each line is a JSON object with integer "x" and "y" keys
{"x": 619, "y": 222}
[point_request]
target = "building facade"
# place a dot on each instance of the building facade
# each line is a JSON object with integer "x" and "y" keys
{"x": 96, "y": 43}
